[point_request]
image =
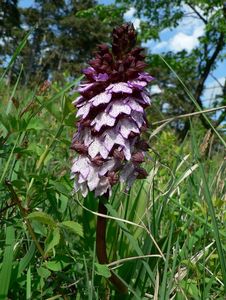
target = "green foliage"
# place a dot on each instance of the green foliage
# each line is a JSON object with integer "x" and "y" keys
{"x": 165, "y": 237}
{"x": 7, "y": 262}
{"x": 168, "y": 238}
{"x": 102, "y": 270}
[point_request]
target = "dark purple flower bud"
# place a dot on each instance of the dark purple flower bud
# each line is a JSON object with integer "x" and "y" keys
{"x": 112, "y": 177}
{"x": 111, "y": 112}
{"x": 103, "y": 48}
{"x": 141, "y": 173}
{"x": 143, "y": 145}
{"x": 138, "y": 157}
{"x": 79, "y": 147}
{"x": 118, "y": 154}
{"x": 98, "y": 160}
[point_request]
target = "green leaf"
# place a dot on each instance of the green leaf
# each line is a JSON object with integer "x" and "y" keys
{"x": 36, "y": 124}
{"x": 26, "y": 259}
{"x": 43, "y": 272}
{"x": 54, "y": 266}
{"x": 52, "y": 240}
{"x": 58, "y": 264}
{"x": 60, "y": 187}
{"x": 28, "y": 284}
{"x": 7, "y": 263}
{"x": 102, "y": 270}
{"x": 73, "y": 226}
{"x": 42, "y": 218}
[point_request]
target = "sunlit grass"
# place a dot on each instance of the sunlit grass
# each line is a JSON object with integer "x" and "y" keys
{"x": 166, "y": 236}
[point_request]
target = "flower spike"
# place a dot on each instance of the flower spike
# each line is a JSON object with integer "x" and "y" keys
{"x": 111, "y": 116}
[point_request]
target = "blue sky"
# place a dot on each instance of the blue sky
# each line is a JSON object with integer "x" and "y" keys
{"x": 25, "y": 3}
{"x": 185, "y": 36}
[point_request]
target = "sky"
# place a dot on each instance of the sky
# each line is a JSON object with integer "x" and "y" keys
{"x": 185, "y": 36}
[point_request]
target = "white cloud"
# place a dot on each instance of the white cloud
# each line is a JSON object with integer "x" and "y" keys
{"x": 182, "y": 41}
{"x": 184, "y": 37}
{"x": 190, "y": 20}
{"x": 129, "y": 17}
{"x": 212, "y": 89}
{"x": 129, "y": 14}
{"x": 136, "y": 23}
{"x": 160, "y": 45}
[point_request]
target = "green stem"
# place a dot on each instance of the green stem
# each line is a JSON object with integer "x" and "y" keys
{"x": 23, "y": 212}
{"x": 101, "y": 248}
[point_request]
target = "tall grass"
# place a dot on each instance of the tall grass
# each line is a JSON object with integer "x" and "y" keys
{"x": 166, "y": 236}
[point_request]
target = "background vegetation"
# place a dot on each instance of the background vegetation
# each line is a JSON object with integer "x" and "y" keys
{"x": 166, "y": 237}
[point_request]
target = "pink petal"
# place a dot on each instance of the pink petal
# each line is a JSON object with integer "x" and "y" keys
{"x": 78, "y": 100}
{"x": 137, "y": 84}
{"x": 85, "y": 172}
{"x": 107, "y": 166}
{"x": 85, "y": 87}
{"x": 93, "y": 183}
{"x": 127, "y": 151}
{"x": 132, "y": 102}
{"x": 79, "y": 163}
{"x": 111, "y": 138}
{"x": 145, "y": 98}
{"x": 118, "y": 107}
{"x": 93, "y": 178}
{"x": 126, "y": 126}
{"x": 89, "y": 70}
{"x": 83, "y": 111}
{"x": 138, "y": 118}
{"x": 101, "y": 99}
{"x": 84, "y": 189}
{"x": 145, "y": 76}
{"x": 87, "y": 138}
{"x": 101, "y": 77}
{"x": 102, "y": 187}
{"x": 103, "y": 119}
{"x": 126, "y": 172}
{"x": 83, "y": 135}
{"x": 103, "y": 151}
{"x": 94, "y": 148}
{"x": 81, "y": 179}
{"x": 120, "y": 87}
{"x": 76, "y": 185}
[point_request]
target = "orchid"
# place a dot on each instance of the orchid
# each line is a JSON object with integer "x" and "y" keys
{"x": 111, "y": 111}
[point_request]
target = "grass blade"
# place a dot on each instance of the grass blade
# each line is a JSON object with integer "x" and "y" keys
{"x": 194, "y": 101}
{"x": 208, "y": 199}
{"x": 16, "y": 53}
{"x": 7, "y": 263}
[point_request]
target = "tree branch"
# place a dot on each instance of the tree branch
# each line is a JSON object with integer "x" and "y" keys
{"x": 205, "y": 74}
{"x": 209, "y": 64}
{"x": 197, "y": 13}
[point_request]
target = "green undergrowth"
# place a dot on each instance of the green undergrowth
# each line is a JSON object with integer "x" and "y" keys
{"x": 166, "y": 237}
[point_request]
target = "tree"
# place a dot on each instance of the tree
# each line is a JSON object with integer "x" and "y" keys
{"x": 63, "y": 38}
{"x": 195, "y": 67}
{"x": 9, "y": 27}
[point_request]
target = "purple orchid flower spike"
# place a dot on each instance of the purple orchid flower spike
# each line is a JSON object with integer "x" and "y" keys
{"x": 111, "y": 112}
{"x": 111, "y": 117}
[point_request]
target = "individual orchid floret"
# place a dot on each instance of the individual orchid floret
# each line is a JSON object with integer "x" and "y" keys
{"x": 111, "y": 116}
